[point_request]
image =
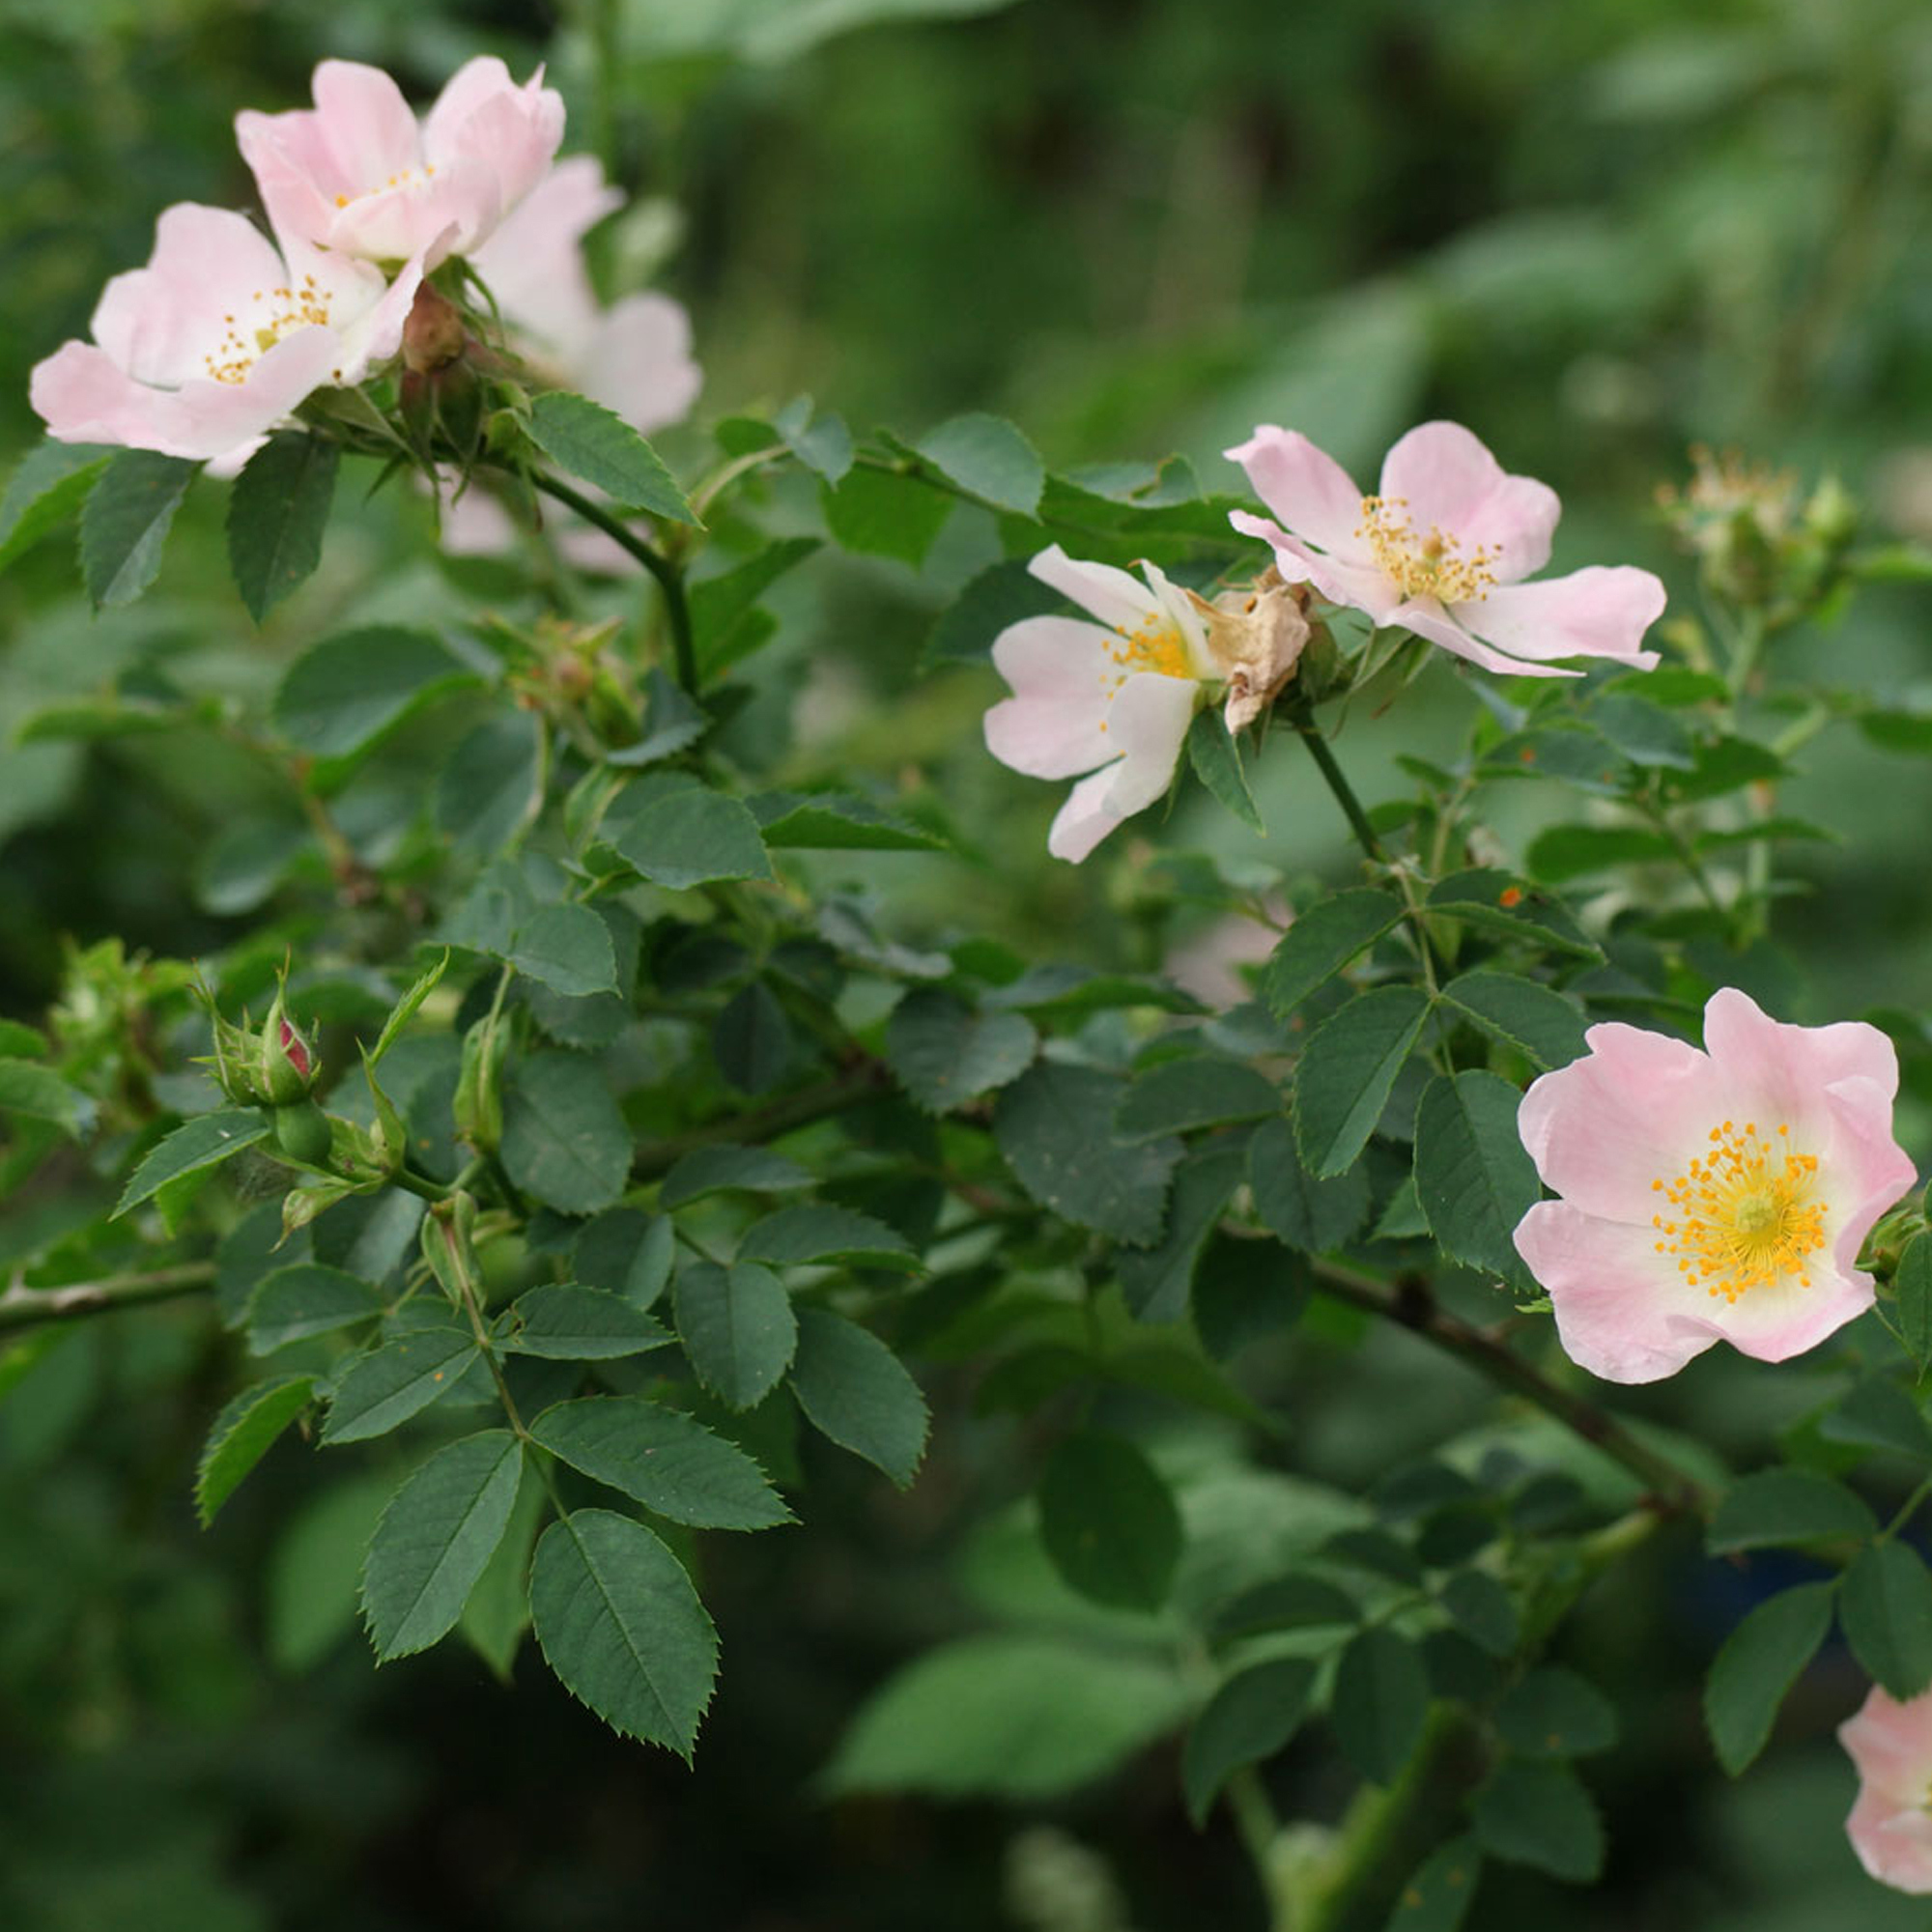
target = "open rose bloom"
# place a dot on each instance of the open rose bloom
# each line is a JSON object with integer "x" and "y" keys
{"x": 1720, "y": 1195}
{"x": 1891, "y": 1823}
{"x": 211, "y": 344}
{"x": 357, "y": 173}
{"x": 1442, "y": 549}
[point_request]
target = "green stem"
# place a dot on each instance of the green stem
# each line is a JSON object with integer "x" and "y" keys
{"x": 1345, "y": 793}
{"x": 670, "y": 578}
{"x": 30, "y": 1307}
{"x": 1413, "y": 1307}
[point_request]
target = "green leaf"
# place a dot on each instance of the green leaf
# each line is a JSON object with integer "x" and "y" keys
{"x": 491, "y": 787}
{"x": 1482, "y": 1609}
{"x": 856, "y": 1391}
{"x": 737, "y": 1327}
{"x": 276, "y": 514}
{"x": 1574, "y": 851}
{"x": 1782, "y": 1507}
{"x": 1538, "y": 1814}
{"x": 1049, "y": 1129}
{"x": 1885, "y": 1607}
{"x": 568, "y": 1322}
{"x": 1496, "y": 902}
{"x": 497, "y": 1611}
{"x": 567, "y": 948}
{"x": 348, "y": 691}
{"x": 405, "y": 1009}
{"x": 1109, "y": 1522}
{"x": 1322, "y": 941}
{"x": 435, "y": 1540}
{"x": 835, "y": 821}
{"x": 1437, "y": 1895}
{"x": 1313, "y": 1214}
{"x": 673, "y": 720}
{"x": 946, "y": 1055}
{"x": 628, "y": 1253}
{"x": 48, "y": 486}
{"x": 242, "y": 1435}
{"x": 1553, "y": 1713}
{"x": 307, "y": 1299}
{"x": 1216, "y": 759}
{"x": 878, "y": 513}
{"x": 604, "y": 450}
{"x": 1913, "y": 1285}
{"x": 1294, "y": 1602}
{"x": 798, "y": 1237}
{"x": 988, "y": 458}
{"x": 685, "y": 836}
{"x": 824, "y": 446}
{"x": 384, "y": 1388}
{"x": 1002, "y": 595}
{"x": 1201, "y": 1091}
{"x": 1347, "y": 1070}
{"x": 1879, "y": 1414}
{"x": 1760, "y": 1661}
{"x": 622, "y": 1628}
{"x": 1379, "y": 1700}
{"x": 125, "y": 522}
{"x": 717, "y": 1170}
{"x": 664, "y": 1459}
{"x": 719, "y": 604}
{"x": 204, "y": 1141}
{"x": 42, "y": 1095}
{"x": 1010, "y": 1714}
{"x": 1250, "y": 1718}
{"x": 751, "y": 1039}
{"x": 1473, "y": 1176}
{"x": 564, "y": 1139}
{"x": 1523, "y": 1014}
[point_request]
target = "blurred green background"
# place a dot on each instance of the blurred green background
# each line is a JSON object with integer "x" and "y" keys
{"x": 1597, "y": 231}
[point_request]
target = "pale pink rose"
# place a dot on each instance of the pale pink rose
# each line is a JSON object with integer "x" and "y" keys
{"x": 211, "y": 345}
{"x": 1891, "y": 1823}
{"x": 1720, "y": 1195}
{"x": 1442, "y": 549}
{"x": 1119, "y": 694}
{"x": 635, "y": 357}
{"x": 359, "y": 175}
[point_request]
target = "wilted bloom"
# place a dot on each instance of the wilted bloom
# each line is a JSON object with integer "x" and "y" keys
{"x": 211, "y": 344}
{"x": 1440, "y": 550}
{"x": 1720, "y": 1195}
{"x": 1119, "y": 694}
{"x": 1891, "y": 1823}
{"x": 356, "y": 174}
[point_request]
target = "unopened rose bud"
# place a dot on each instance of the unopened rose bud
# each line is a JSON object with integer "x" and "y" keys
{"x": 433, "y": 336}
{"x": 303, "y": 1133}
{"x": 286, "y": 1061}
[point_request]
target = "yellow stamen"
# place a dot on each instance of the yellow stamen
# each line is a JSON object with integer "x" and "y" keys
{"x": 1155, "y": 645}
{"x": 1424, "y": 566}
{"x": 1745, "y": 1213}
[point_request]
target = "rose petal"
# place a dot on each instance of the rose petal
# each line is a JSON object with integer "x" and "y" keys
{"x": 1598, "y": 612}
{"x": 1309, "y": 492}
{"x": 1427, "y": 618}
{"x": 1120, "y": 601}
{"x": 638, "y": 361}
{"x": 1363, "y": 587}
{"x": 1062, "y": 677}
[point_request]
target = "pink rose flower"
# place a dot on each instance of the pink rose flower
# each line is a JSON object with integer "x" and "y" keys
{"x": 1112, "y": 698}
{"x": 205, "y": 349}
{"x": 1891, "y": 1823}
{"x": 635, "y": 357}
{"x": 1720, "y": 1195}
{"x": 356, "y": 174}
{"x": 1441, "y": 551}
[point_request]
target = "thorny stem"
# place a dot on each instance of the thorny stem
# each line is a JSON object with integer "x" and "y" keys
{"x": 671, "y": 578}
{"x": 22, "y": 1307}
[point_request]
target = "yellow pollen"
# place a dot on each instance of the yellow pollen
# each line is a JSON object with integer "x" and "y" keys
{"x": 1424, "y": 566}
{"x": 1745, "y": 1215}
{"x": 1155, "y": 644}
{"x": 242, "y": 344}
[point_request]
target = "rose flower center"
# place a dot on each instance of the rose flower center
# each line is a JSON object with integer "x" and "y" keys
{"x": 1745, "y": 1215}
{"x": 1424, "y": 566}
{"x": 271, "y": 314}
